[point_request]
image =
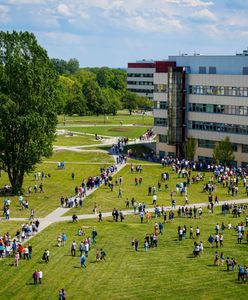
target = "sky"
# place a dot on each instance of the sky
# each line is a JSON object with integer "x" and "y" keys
{"x": 115, "y": 32}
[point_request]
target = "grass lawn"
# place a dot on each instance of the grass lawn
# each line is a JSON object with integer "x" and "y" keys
{"x": 122, "y": 116}
{"x": 9, "y": 226}
{"x": 167, "y": 272}
{"x": 75, "y": 140}
{"x": 151, "y": 174}
{"x": 60, "y": 184}
{"x": 118, "y": 131}
{"x": 72, "y": 156}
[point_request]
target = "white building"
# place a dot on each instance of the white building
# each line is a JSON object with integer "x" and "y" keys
{"x": 205, "y": 97}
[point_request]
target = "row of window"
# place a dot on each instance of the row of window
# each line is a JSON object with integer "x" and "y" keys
{"x": 218, "y": 90}
{"x": 212, "y": 70}
{"x": 211, "y": 144}
{"x": 141, "y": 91}
{"x": 140, "y": 82}
{"x": 219, "y": 127}
{"x": 160, "y": 105}
{"x": 160, "y": 88}
{"x": 203, "y": 70}
{"x": 160, "y": 122}
{"x": 218, "y": 109}
{"x": 139, "y": 75}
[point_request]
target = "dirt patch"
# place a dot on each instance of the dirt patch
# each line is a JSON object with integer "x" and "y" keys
{"x": 119, "y": 129}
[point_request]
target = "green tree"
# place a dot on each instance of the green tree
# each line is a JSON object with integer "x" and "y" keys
{"x": 223, "y": 152}
{"x": 94, "y": 97}
{"x": 60, "y": 65}
{"x": 72, "y": 65}
{"x": 28, "y": 115}
{"x": 189, "y": 148}
{"x": 130, "y": 101}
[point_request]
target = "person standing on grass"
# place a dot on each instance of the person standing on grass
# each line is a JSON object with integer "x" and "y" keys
{"x": 62, "y": 295}
{"x": 100, "y": 217}
{"x": 136, "y": 245}
{"x": 17, "y": 258}
{"x": 30, "y": 251}
{"x": 197, "y": 232}
{"x": 211, "y": 240}
{"x": 160, "y": 227}
{"x": 35, "y": 277}
{"x": 94, "y": 234}
{"x": 40, "y": 276}
{"x": 120, "y": 192}
{"x": 73, "y": 248}
{"x": 141, "y": 216}
{"x": 83, "y": 261}
{"x": 63, "y": 239}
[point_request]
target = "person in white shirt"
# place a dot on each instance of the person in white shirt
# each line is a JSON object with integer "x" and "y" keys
{"x": 40, "y": 276}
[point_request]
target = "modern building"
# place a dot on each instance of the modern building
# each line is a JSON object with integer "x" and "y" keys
{"x": 140, "y": 78}
{"x": 204, "y": 97}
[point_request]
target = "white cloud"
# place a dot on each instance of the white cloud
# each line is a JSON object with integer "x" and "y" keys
{"x": 196, "y": 3}
{"x": 64, "y": 10}
{"x": 204, "y": 15}
{"x": 4, "y": 14}
{"x": 160, "y": 24}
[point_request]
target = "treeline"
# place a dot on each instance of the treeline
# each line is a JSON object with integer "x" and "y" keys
{"x": 89, "y": 91}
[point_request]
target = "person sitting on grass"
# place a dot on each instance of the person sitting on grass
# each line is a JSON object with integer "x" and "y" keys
{"x": 102, "y": 254}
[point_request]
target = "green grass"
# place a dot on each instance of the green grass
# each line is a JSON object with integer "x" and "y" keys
{"x": 75, "y": 140}
{"x": 151, "y": 174}
{"x": 122, "y": 116}
{"x": 9, "y": 226}
{"x": 167, "y": 272}
{"x": 71, "y": 156}
{"x": 118, "y": 131}
{"x": 60, "y": 184}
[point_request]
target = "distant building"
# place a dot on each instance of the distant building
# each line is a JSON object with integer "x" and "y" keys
{"x": 140, "y": 78}
{"x": 205, "y": 97}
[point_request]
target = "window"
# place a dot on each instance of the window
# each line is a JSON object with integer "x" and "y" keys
{"x": 220, "y": 127}
{"x": 212, "y": 70}
{"x": 160, "y": 105}
{"x": 202, "y": 70}
{"x": 162, "y": 138}
{"x": 160, "y": 122}
{"x": 218, "y": 90}
{"x": 235, "y": 147}
{"x": 206, "y": 144}
{"x": 245, "y": 148}
{"x": 245, "y": 70}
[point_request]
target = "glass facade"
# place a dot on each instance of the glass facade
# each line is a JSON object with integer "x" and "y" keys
{"x": 219, "y": 127}
{"x": 160, "y": 105}
{"x": 219, "y": 109}
{"x": 140, "y": 82}
{"x": 139, "y": 75}
{"x": 206, "y": 144}
{"x": 218, "y": 90}
{"x": 160, "y": 88}
{"x": 160, "y": 122}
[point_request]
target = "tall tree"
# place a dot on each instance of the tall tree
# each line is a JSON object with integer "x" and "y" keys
{"x": 189, "y": 148}
{"x": 130, "y": 101}
{"x": 72, "y": 65}
{"x": 223, "y": 152}
{"x": 27, "y": 104}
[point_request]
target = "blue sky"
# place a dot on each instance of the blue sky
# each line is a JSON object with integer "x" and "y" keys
{"x": 114, "y": 32}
